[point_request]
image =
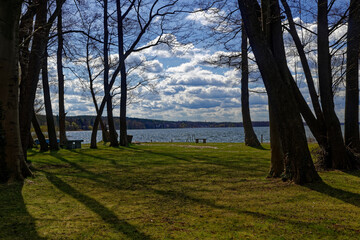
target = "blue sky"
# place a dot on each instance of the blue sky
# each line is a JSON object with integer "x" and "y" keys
{"x": 184, "y": 86}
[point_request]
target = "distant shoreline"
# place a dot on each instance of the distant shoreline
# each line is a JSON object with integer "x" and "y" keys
{"x": 78, "y": 123}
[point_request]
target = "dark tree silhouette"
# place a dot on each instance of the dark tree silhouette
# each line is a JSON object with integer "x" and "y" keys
{"x": 12, "y": 162}
{"x": 352, "y": 78}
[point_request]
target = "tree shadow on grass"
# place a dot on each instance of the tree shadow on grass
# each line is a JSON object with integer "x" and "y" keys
{"x": 214, "y": 160}
{"x": 15, "y": 220}
{"x": 355, "y": 173}
{"x": 88, "y": 155}
{"x": 210, "y": 203}
{"x": 345, "y": 196}
{"x": 107, "y": 215}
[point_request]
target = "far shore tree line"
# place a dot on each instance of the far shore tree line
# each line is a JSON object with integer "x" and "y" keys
{"x": 90, "y": 33}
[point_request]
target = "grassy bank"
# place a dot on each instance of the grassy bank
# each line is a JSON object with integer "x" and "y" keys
{"x": 174, "y": 191}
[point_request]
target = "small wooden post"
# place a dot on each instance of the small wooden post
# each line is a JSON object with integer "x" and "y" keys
{"x": 262, "y": 138}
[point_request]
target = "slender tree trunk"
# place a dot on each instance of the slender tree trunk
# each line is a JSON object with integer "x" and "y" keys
{"x": 112, "y": 131}
{"x": 352, "y": 78}
{"x": 12, "y": 162}
{"x": 105, "y": 133}
{"x": 31, "y": 141}
{"x": 48, "y": 108}
{"x": 250, "y": 136}
{"x": 93, "y": 144}
{"x": 336, "y": 144}
{"x": 109, "y": 108}
{"x": 297, "y": 159}
{"x": 43, "y": 145}
{"x": 123, "y": 127}
{"x": 304, "y": 62}
{"x": 62, "y": 114}
{"x": 31, "y": 77}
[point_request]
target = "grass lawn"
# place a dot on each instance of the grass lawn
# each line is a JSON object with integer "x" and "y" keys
{"x": 174, "y": 191}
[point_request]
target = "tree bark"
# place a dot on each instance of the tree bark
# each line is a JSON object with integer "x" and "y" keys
{"x": 62, "y": 114}
{"x": 31, "y": 141}
{"x": 109, "y": 107}
{"x": 112, "y": 131}
{"x": 352, "y": 78}
{"x": 105, "y": 133}
{"x": 53, "y": 144}
{"x": 298, "y": 164}
{"x": 123, "y": 99}
{"x": 250, "y": 136}
{"x": 337, "y": 150}
{"x": 277, "y": 154}
{"x": 12, "y": 162}
{"x": 43, "y": 145}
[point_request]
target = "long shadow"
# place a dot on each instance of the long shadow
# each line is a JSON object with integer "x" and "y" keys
{"x": 74, "y": 165}
{"x": 345, "y": 196}
{"x": 355, "y": 173}
{"x": 206, "y": 160}
{"x": 174, "y": 156}
{"x": 107, "y": 215}
{"x": 15, "y": 220}
{"x": 212, "y": 204}
{"x": 98, "y": 178}
{"x": 88, "y": 155}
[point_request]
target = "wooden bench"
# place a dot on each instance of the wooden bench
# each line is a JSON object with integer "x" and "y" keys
{"x": 73, "y": 144}
{"x": 197, "y": 140}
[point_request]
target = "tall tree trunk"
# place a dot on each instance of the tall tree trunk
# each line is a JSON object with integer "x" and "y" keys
{"x": 48, "y": 108}
{"x": 316, "y": 125}
{"x": 250, "y": 136}
{"x": 123, "y": 127}
{"x": 62, "y": 114}
{"x": 112, "y": 131}
{"x": 12, "y": 162}
{"x": 336, "y": 144}
{"x": 109, "y": 108}
{"x": 43, "y": 145}
{"x": 352, "y": 78}
{"x": 31, "y": 77}
{"x": 31, "y": 141}
{"x": 297, "y": 159}
{"x": 277, "y": 154}
{"x": 304, "y": 63}
{"x": 105, "y": 133}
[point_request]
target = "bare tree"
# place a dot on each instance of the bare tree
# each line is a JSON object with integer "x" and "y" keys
{"x": 30, "y": 78}
{"x": 59, "y": 60}
{"x": 140, "y": 15}
{"x": 298, "y": 165}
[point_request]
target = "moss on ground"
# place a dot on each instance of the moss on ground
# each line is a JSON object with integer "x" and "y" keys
{"x": 174, "y": 191}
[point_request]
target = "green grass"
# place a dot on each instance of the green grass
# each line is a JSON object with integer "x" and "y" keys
{"x": 174, "y": 191}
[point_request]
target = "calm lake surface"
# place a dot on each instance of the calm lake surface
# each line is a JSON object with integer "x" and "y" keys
{"x": 183, "y": 134}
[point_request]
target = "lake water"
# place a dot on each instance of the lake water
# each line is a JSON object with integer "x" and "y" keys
{"x": 183, "y": 134}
